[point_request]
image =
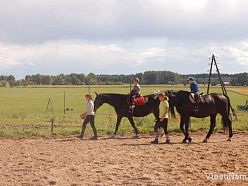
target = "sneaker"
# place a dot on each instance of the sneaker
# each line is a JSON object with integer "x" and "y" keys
{"x": 93, "y": 138}
{"x": 80, "y": 137}
{"x": 167, "y": 141}
{"x": 155, "y": 141}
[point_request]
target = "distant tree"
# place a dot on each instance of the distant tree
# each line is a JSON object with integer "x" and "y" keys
{"x": 24, "y": 82}
{"x": 11, "y": 83}
{"x": 18, "y": 83}
{"x": 11, "y": 78}
{"x": 47, "y": 80}
{"x": 243, "y": 78}
{"x": 75, "y": 80}
{"x": 234, "y": 82}
{"x": 81, "y": 77}
{"x": 91, "y": 79}
{"x": 2, "y": 77}
{"x": 60, "y": 79}
{"x": 38, "y": 79}
{"x": 3, "y": 83}
{"x": 28, "y": 78}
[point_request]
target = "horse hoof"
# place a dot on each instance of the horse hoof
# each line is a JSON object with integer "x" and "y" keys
{"x": 205, "y": 140}
{"x": 189, "y": 139}
{"x": 184, "y": 141}
{"x": 229, "y": 139}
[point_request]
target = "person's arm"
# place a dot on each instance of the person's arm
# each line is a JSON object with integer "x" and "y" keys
{"x": 133, "y": 91}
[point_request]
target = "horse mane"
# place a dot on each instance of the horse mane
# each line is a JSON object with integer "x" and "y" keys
{"x": 172, "y": 111}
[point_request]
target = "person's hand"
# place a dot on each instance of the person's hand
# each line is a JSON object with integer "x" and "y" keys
{"x": 82, "y": 116}
{"x": 162, "y": 119}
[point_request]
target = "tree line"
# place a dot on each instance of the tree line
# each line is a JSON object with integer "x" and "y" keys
{"x": 147, "y": 78}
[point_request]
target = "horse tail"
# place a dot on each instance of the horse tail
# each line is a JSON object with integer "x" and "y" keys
{"x": 229, "y": 104}
{"x": 228, "y": 111}
{"x": 172, "y": 110}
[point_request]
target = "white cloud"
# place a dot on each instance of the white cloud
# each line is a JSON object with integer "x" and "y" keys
{"x": 110, "y": 36}
{"x": 40, "y": 21}
{"x": 66, "y": 57}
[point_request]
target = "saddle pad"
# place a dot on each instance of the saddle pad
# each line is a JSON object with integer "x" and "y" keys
{"x": 140, "y": 101}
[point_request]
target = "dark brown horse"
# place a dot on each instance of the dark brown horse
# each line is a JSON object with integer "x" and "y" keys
{"x": 119, "y": 102}
{"x": 214, "y": 104}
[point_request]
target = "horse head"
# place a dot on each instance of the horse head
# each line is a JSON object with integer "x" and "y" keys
{"x": 98, "y": 101}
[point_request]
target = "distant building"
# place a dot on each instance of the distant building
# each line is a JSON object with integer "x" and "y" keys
{"x": 226, "y": 83}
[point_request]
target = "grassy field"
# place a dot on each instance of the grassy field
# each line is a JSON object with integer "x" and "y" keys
{"x": 22, "y": 111}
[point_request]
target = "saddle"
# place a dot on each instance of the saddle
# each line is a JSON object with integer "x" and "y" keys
{"x": 140, "y": 100}
{"x": 193, "y": 99}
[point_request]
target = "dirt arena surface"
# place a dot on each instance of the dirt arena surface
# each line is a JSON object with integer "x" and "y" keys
{"x": 123, "y": 161}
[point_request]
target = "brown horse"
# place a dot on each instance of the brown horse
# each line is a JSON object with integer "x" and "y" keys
{"x": 119, "y": 102}
{"x": 214, "y": 104}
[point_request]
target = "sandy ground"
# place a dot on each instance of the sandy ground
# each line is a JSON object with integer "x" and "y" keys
{"x": 123, "y": 161}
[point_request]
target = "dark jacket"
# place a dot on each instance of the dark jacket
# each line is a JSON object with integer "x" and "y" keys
{"x": 136, "y": 90}
{"x": 194, "y": 87}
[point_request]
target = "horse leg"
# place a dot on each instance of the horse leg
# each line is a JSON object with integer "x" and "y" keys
{"x": 130, "y": 118}
{"x": 117, "y": 125}
{"x": 182, "y": 129}
{"x": 187, "y": 137}
{"x": 212, "y": 126}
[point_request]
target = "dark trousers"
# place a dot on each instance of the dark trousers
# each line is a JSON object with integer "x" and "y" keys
{"x": 163, "y": 124}
{"x": 89, "y": 119}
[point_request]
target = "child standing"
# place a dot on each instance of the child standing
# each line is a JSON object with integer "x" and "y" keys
{"x": 163, "y": 118}
{"x": 89, "y": 117}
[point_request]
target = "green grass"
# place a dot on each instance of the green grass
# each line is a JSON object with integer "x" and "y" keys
{"x": 22, "y": 111}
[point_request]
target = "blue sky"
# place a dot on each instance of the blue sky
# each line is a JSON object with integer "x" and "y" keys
{"x": 122, "y": 37}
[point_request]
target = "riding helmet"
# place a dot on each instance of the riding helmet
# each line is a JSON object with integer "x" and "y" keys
{"x": 136, "y": 79}
{"x": 191, "y": 78}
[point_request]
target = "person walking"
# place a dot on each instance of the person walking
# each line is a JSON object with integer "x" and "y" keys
{"x": 89, "y": 117}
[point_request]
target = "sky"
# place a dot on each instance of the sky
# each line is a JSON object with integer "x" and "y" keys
{"x": 122, "y": 36}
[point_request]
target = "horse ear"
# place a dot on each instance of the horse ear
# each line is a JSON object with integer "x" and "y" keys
{"x": 96, "y": 93}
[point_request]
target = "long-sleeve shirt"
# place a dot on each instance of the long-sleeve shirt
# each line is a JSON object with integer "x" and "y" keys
{"x": 90, "y": 108}
{"x": 136, "y": 90}
{"x": 194, "y": 87}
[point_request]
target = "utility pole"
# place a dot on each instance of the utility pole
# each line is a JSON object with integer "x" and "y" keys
{"x": 214, "y": 63}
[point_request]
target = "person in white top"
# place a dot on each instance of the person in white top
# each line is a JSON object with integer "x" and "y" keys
{"x": 89, "y": 117}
